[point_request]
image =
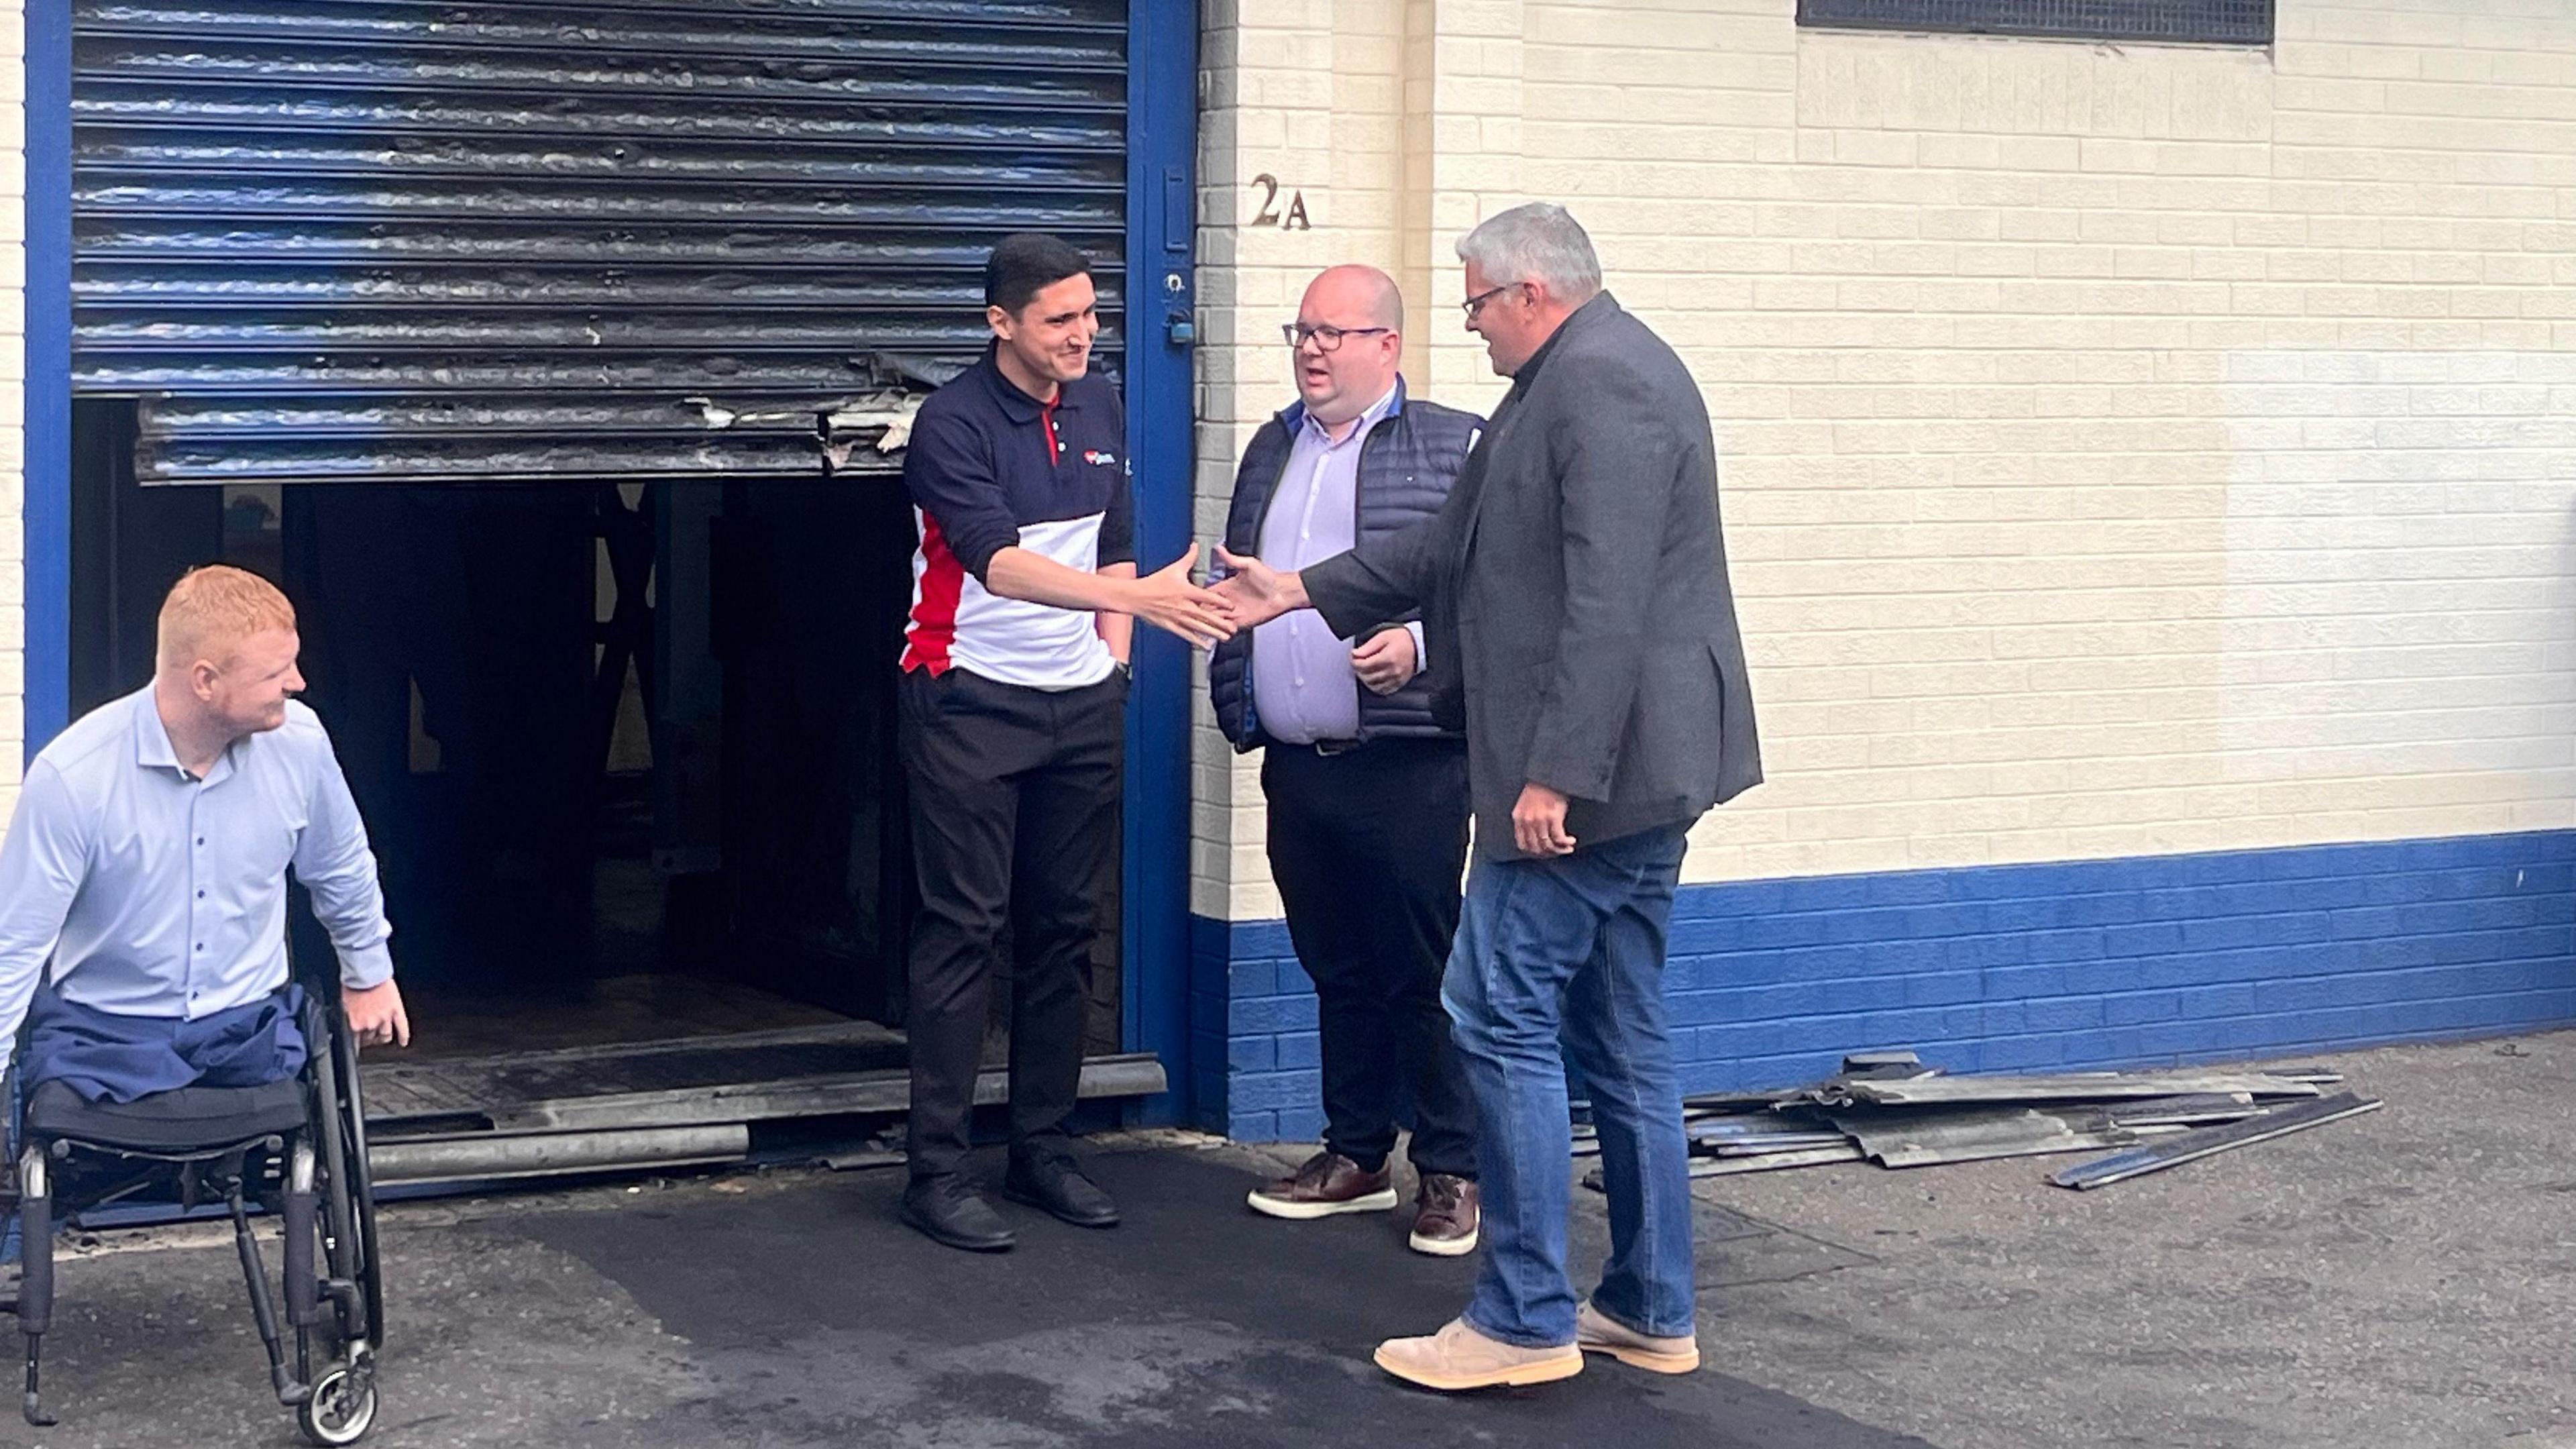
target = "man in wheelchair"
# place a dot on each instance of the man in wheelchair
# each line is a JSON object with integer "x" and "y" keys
{"x": 147, "y": 863}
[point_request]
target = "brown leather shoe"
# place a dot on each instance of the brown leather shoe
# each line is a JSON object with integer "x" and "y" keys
{"x": 1328, "y": 1183}
{"x": 1444, "y": 1216}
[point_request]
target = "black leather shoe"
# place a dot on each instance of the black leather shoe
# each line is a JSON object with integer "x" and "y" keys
{"x": 1059, "y": 1188}
{"x": 949, "y": 1211}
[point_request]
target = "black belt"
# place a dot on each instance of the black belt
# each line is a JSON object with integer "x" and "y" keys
{"x": 1328, "y": 748}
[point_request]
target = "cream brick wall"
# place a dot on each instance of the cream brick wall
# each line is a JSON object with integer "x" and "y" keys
{"x": 2129, "y": 449}
{"x": 1316, "y": 96}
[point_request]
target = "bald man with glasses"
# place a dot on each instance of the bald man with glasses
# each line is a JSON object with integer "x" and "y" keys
{"x": 1367, "y": 791}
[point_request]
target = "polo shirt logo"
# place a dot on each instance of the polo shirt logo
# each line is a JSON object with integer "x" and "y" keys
{"x": 1099, "y": 459}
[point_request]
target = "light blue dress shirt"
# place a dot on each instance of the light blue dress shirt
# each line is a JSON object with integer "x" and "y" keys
{"x": 155, "y": 893}
{"x": 1302, "y": 680}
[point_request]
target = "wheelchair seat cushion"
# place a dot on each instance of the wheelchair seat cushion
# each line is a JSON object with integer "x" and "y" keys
{"x": 185, "y": 1120}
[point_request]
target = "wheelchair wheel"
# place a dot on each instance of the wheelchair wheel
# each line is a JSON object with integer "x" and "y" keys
{"x": 343, "y": 1406}
{"x": 369, "y": 1267}
{"x": 348, "y": 1190}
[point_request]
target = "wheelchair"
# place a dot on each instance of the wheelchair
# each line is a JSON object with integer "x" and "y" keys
{"x": 296, "y": 1147}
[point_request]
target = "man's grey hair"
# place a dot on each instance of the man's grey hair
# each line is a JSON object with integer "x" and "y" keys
{"x": 1538, "y": 241}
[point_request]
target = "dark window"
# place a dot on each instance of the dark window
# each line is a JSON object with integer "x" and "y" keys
{"x": 2226, "y": 22}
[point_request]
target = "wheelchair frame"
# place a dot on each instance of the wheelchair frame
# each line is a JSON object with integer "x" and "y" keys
{"x": 315, "y": 1178}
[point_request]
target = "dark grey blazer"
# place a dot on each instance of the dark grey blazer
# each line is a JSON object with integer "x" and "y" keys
{"x": 1574, "y": 593}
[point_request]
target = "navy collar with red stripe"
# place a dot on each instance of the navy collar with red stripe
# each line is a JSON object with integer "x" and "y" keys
{"x": 1016, "y": 405}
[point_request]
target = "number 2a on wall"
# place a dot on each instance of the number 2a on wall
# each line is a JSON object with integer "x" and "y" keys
{"x": 1268, "y": 213}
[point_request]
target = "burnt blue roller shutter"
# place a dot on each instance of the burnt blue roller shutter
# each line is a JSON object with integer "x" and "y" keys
{"x": 426, "y": 240}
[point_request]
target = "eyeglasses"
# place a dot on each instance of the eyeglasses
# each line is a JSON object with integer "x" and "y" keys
{"x": 1327, "y": 338}
{"x": 1476, "y": 303}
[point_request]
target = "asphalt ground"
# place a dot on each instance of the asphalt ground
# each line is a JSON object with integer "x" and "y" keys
{"x": 2406, "y": 1279}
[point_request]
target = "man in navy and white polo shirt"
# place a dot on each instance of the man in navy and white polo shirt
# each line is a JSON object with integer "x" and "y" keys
{"x": 1013, "y": 692}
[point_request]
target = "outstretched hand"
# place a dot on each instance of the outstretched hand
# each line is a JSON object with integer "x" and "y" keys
{"x": 1169, "y": 601}
{"x": 1254, "y": 592}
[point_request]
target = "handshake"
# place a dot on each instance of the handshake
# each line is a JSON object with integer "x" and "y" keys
{"x": 1247, "y": 593}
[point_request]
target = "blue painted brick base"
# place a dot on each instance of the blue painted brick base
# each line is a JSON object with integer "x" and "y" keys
{"x": 2158, "y": 959}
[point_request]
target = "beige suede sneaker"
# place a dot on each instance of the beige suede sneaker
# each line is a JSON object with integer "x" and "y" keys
{"x": 1458, "y": 1358}
{"x": 1597, "y": 1332}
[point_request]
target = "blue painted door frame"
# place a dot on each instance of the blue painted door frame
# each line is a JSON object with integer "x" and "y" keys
{"x": 48, "y": 447}
{"x": 1161, "y": 291}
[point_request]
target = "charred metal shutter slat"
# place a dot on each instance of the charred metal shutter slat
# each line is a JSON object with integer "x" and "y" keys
{"x": 428, "y": 240}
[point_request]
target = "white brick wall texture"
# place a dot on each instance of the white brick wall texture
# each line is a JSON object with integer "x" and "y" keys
{"x": 2129, "y": 449}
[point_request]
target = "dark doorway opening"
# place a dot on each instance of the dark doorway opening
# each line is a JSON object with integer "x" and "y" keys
{"x": 626, "y": 752}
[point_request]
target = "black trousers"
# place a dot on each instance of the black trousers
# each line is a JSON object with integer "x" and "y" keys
{"x": 1366, "y": 848}
{"x": 1015, "y": 796}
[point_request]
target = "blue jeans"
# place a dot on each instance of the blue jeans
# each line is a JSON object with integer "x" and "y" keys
{"x": 1571, "y": 950}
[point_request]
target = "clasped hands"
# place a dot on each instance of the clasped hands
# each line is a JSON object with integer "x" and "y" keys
{"x": 1250, "y": 593}
{"x": 1247, "y": 594}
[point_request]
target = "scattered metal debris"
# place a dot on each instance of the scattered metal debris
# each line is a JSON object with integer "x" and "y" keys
{"x": 1891, "y": 1109}
{"x": 1798, "y": 1157}
{"x": 1920, "y": 1139}
{"x": 2194, "y": 1145}
{"x": 2070, "y": 1087}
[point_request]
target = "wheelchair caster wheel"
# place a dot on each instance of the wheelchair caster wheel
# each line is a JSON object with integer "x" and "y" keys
{"x": 341, "y": 1409}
